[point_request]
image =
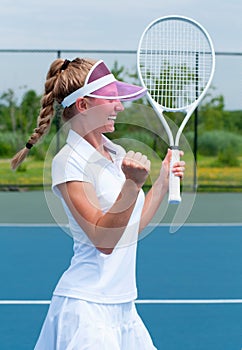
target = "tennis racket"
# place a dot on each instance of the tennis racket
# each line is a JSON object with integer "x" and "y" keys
{"x": 176, "y": 63}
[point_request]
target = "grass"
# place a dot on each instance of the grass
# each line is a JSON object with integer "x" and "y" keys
{"x": 209, "y": 178}
{"x": 29, "y": 174}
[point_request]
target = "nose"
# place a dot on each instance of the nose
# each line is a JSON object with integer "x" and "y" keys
{"x": 119, "y": 106}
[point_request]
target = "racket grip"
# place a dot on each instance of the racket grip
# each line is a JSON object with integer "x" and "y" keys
{"x": 174, "y": 181}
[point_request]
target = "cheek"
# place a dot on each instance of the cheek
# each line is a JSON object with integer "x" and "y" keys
{"x": 106, "y": 109}
{"x": 102, "y": 109}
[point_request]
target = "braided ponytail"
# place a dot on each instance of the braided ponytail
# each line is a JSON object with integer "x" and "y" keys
{"x": 45, "y": 117}
{"x": 63, "y": 78}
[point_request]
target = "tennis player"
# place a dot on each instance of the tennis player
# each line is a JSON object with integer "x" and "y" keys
{"x": 100, "y": 186}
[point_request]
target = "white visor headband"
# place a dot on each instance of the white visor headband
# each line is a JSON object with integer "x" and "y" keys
{"x": 86, "y": 89}
{"x": 100, "y": 77}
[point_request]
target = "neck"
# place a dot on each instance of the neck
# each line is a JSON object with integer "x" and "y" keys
{"x": 96, "y": 140}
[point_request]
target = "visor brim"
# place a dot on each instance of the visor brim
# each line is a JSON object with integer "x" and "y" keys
{"x": 119, "y": 91}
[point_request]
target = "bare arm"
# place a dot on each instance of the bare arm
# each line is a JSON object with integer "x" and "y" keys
{"x": 105, "y": 229}
{"x": 159, "y": 189}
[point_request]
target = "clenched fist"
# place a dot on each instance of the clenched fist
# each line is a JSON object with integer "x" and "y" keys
{"x": 136, "y": 167}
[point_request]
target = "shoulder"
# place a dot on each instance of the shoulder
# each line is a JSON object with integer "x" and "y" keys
{"x": 66, "y": 157}
{"x": 67, "y": 165}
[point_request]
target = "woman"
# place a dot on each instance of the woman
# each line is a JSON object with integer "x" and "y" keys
{"x": 100, "y": 186}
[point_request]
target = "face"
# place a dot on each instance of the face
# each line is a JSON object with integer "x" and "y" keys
{"x": 102, "y": 113}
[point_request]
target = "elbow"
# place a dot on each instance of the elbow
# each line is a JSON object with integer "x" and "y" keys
{"x": 103, "y": 243}
{"x": 106, "y": 251}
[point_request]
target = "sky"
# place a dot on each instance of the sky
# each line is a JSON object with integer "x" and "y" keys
{"x": 114, "y": 25}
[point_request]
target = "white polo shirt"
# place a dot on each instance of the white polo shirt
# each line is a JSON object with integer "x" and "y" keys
{"x": 92, "y": 275}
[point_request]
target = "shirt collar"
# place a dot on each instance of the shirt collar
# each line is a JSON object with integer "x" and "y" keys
{"x": 88, "y": 152}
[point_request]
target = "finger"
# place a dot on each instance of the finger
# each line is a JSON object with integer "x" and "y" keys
{"x": 138, "y": 156}
{"x": 129, "y": 154}
{"x": 179, "y": 164}
{"x": 178, "y": 170}
{"x": 168, "y": 156}
{"x": 128, "y": 158}
{"x": 179, "y": 174}
{"x": 142, "y": 162}
{"x": 143, "y": 159}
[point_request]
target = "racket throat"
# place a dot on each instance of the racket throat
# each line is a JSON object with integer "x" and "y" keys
{"x": 174, "y": 147}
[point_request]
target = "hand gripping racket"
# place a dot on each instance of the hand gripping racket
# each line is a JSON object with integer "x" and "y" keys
{"x": 175, "y": 62}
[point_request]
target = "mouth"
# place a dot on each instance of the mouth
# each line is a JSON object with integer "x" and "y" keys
{"x": 112, "y": 118}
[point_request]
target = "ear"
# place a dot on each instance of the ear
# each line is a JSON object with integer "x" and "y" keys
{"x": 81, "y": 104}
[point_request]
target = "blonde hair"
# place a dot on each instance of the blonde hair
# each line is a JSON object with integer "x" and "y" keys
{"x": 63, "y": 78}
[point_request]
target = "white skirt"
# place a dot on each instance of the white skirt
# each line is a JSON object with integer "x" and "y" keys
{"x": 73, "y": 324}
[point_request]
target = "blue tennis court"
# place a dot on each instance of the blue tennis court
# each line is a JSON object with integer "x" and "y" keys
{"x": 190, "y": 284}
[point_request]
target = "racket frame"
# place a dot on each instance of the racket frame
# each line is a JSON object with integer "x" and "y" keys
{"x": 174, "y": 181}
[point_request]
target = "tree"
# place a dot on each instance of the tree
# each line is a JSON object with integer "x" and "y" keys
{"x": 118, "y": 72}
{"x": 8, "y": 110}
{"x": 29, "y": 108}
{"x": 211, "y": 113}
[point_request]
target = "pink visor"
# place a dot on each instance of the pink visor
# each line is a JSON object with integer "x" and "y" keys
{"x": 101, "y": 83}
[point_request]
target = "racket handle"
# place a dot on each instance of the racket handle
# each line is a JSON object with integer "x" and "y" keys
{"x": 174, "y": 181}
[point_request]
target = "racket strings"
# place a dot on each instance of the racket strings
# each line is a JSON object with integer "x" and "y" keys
{"x": 175, "y": 63}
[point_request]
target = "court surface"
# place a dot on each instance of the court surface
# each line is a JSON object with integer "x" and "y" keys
{"x": 189, "y": 283}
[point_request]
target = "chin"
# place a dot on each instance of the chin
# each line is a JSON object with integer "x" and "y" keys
{"x": 110, "y": 129}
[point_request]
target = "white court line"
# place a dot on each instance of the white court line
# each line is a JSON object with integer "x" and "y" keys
{"x": 190, "y": 301}
{"x": 141, "y": 301}
{"x": 24, "y": 302}
{"x": 31, "y": 225}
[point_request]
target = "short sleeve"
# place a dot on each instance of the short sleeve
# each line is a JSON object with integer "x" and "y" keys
{"x": 67, "y": 166}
